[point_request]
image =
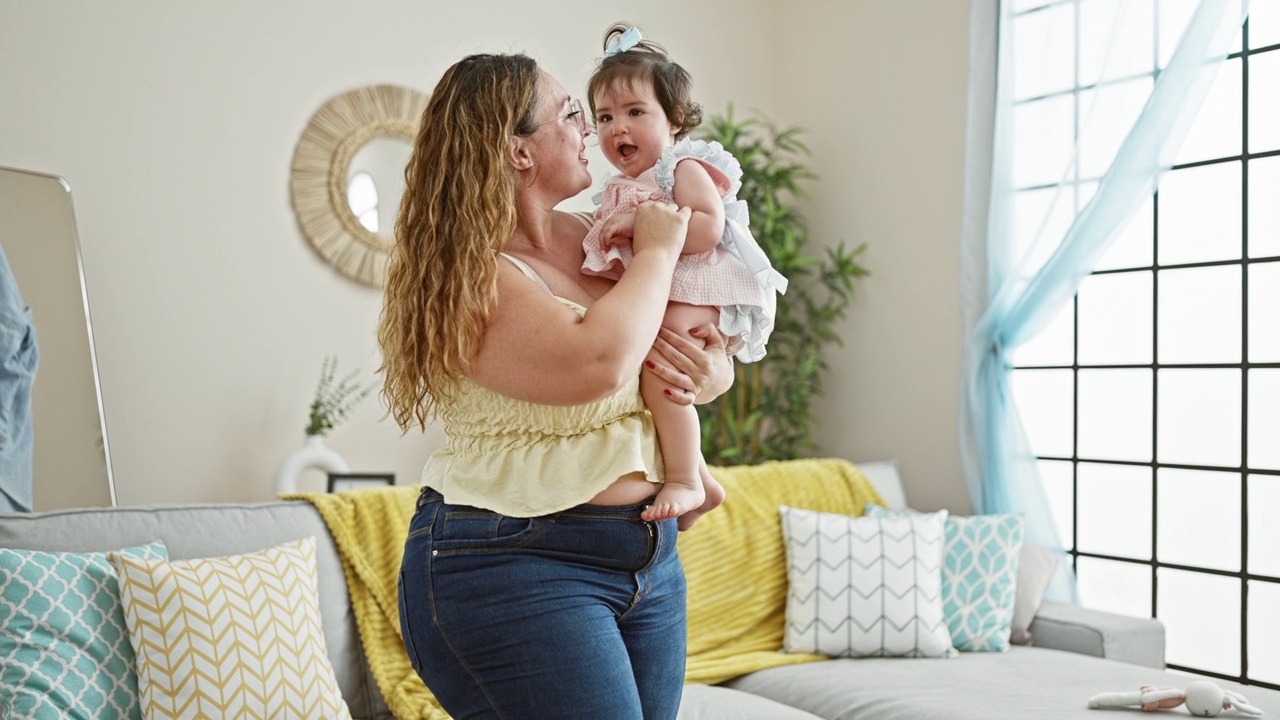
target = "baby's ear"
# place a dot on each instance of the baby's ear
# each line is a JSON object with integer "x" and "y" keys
{"x": 677, "y": 122}
{"x": 518, "y": 154}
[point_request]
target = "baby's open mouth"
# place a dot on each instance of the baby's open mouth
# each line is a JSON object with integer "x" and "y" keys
{"x": 626, "y": 151}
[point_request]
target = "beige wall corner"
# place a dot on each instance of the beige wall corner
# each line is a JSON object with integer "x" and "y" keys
{"x": 212, "y": 313}
{"x": 175, "y": 125}
{"x": 881, "y": 86}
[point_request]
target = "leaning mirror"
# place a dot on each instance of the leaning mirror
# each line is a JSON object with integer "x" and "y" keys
{"x": 348, "y": 175}
{"x": 69, "y": 463}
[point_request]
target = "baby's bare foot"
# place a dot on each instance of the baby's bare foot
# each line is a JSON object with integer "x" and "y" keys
{"x": 715, "y": 496}
{"x": 674, "y": 500}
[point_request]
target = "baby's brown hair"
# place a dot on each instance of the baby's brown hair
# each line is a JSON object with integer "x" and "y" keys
{"x": 647, "y": 60}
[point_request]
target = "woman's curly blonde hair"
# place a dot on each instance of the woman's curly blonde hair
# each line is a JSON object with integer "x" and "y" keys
{"x": 457, "y": 213}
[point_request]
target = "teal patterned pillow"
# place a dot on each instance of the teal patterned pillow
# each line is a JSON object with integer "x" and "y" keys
{"x": 979, "y": 578}
{"x": 64, "y": 648}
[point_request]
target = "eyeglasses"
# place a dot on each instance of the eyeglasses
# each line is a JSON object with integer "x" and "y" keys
{"x": 575, "y": 114}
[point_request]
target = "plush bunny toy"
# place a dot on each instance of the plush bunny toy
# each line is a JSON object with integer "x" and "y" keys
{"x": 1202, "y": 698}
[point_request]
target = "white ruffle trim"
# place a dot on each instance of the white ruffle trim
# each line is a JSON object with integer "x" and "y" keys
{"x": 711, "y": 153}
{"x": 749, "y": 324}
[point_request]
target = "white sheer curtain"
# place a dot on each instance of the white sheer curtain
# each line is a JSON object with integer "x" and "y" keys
{"x": 1063, "y": 148}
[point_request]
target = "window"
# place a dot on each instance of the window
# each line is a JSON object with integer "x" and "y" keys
{"x": 362, "y": 198}
{"x": 1153, "y": 400}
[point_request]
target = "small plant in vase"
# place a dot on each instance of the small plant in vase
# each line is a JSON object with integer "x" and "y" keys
{"x": 333, "y": 403}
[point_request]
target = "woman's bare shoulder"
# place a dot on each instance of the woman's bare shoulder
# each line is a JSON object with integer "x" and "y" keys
{"x": 575, "y": 223}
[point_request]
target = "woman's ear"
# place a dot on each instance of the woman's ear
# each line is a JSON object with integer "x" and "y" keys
{"x": 518, "y": 154}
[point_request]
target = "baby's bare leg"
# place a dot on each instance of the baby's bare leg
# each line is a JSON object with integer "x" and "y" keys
{"x": 679, "y": 434}
{"x": 715, "y": 495}
{"x": 679, "y": 437}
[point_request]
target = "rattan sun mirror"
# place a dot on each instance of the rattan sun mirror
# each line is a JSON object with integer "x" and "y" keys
{"x": 348, "y": 174}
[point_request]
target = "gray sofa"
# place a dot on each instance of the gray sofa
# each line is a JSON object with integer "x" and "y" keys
{"x": 1079, "y": 652}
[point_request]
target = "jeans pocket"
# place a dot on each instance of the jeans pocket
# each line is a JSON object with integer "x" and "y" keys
{"x": 405, "y": 628}
{"x": 423, "y": 518}
{"x": 475, "y": 530}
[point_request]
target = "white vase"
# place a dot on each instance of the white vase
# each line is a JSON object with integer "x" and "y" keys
{"x": 313, "y": 454}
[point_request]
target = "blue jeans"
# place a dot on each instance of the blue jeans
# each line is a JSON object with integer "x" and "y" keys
{"x": 577, "y": 614}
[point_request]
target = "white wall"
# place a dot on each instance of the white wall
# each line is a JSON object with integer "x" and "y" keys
{"x": 176, "y": 125}
{"x": 881, "y": 87}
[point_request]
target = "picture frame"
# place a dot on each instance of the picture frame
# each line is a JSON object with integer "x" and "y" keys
{"x": 339, "y": 482}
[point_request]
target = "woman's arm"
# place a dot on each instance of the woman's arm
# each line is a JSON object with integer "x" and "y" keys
{"x": 538, "y": 350}
{"x": 695, "y": 190}
{"x": 701, "y": 374}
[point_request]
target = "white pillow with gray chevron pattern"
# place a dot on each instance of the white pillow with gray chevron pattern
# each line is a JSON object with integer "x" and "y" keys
{"x": 979, "y": 578}
{"x": 865, "y": 587}
{"x": 64, "y": 650}
{"x": 230, "y": 637}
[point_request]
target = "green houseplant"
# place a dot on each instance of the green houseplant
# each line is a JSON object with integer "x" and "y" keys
{"x": 767, "y": 414}
{"x": 334, "y": 401}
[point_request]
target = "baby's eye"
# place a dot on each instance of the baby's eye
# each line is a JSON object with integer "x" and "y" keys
{"x": 636, "y": 112}
{"x": 603, "y": 118}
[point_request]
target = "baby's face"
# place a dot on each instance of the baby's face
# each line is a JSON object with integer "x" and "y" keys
{"x": 632, "y": 128}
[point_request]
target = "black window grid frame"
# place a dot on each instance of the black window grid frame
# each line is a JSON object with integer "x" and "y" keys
{"x": 1155, "y": 268}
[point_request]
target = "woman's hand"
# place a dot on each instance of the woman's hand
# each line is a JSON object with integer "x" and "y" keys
{"x": 659, "y": 226}
{"x": 700, "y": 374}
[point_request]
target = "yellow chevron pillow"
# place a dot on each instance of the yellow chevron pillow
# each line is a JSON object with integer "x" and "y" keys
{"x": 230, "y": 637}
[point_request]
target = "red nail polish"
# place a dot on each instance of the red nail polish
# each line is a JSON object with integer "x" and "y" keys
{"x": 667, "y": 392}
{"x": 649, "y": 364}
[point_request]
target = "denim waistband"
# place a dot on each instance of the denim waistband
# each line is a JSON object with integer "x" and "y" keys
{"x": 617, "y": 512}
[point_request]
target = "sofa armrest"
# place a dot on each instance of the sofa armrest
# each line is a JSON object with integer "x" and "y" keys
{"x": 1102, "y": 634}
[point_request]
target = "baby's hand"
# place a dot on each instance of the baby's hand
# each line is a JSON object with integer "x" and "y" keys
{"x": 618, "y": 229}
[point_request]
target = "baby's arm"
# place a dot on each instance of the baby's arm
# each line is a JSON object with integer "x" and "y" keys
{"x": 695, "y": 189}
{"x": 618, "y": 228}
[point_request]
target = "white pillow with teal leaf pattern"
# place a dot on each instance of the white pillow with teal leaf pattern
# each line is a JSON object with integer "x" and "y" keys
{"x": 64, "y": 647}
{"x": 979, "y": 578}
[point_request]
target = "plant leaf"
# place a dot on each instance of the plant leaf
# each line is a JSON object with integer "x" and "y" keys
{"x": 767, "y": 413}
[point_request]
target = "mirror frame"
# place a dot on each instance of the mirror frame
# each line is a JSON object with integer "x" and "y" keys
{"x": 47, "y": 416}
{"x": 321, "y": 161}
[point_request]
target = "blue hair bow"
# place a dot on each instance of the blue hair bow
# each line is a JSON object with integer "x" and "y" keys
{"x": 623, "y": 42}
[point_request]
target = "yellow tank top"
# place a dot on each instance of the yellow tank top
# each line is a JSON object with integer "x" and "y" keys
{"x": 524, "y": 459}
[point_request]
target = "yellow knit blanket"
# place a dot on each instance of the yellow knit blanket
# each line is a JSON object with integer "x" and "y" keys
{"x": 369, "y": 528}
{"x": 736, "y": 563}
{"x": 733, "y": 558}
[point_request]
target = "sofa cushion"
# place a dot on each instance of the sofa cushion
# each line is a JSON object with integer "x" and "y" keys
{"x": 979, "y": 578}
{"x": 1037, "y": 567}
{"x": 712, "y": 702}
{"x": 205, "y": 530}
{"x": 1026, "y": 682}
{"x": 64, "y": 649}
{"x": 1062, "y": 626}
{"x": 230, "y": 636}
{"x": 865, "y": 587}
{"x": 886, "y": 477}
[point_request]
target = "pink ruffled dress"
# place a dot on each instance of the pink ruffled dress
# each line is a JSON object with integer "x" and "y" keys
{"x": 735, "y": 276}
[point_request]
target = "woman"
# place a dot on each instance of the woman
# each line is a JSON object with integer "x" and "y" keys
{"x": 530, "y": 586}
